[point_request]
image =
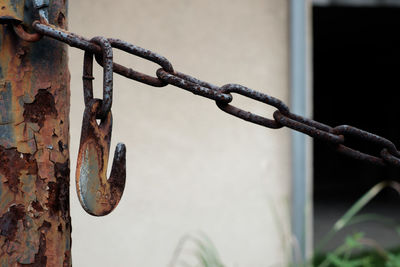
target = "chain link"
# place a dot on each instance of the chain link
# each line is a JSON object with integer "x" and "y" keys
{"x": 42, "y": 7}
{"x": 282, "y": 117}
{"x": 107, "y": 63}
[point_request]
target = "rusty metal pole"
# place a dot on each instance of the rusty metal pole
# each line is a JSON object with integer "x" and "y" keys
{"x": 35, "y": 224}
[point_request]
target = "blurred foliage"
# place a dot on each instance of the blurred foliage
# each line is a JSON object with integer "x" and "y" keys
{"x": 357, "y": 250}
{"x": 364, "y": 257}
{"x": 196, "y": 250}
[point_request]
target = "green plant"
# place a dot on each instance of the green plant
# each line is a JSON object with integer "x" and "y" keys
{"x": 202, "y": 248}
{"x": 368, "y": 252}
{"x": 356, "y": 251}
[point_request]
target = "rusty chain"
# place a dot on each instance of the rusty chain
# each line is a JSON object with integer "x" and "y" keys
{"x": 166, "y": 75}
{"x": 42, "y": 7}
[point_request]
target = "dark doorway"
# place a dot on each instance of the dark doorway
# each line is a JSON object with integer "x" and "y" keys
{"x": 356, "y": 70}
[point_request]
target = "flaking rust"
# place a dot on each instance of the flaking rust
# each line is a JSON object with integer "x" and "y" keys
{"x": 97, "y": 194}
{"x": 35, "y": 224}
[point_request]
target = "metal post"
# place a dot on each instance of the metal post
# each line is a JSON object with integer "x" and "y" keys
{"x": 301, "y": 183}
{"x": 35, "y": 224}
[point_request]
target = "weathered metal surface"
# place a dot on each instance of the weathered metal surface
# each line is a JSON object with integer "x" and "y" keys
{"x": 42, "y": 7}
{"x": 12, "y": 11}
{"x": 258, "y": 96}
{"x": 24, "y": 35}
{"x": 98, "y": 195}
{"x": 185, "y": 82}
{"x": 143, "y": 53}
{"x": 307, "y": 129}
{"x": 107, "y": 61}
{"x": 337, "y": 137}
{"x": 35, "y": 225}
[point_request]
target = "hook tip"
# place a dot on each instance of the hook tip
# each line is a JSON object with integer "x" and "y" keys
{"x": 120, "y": 151}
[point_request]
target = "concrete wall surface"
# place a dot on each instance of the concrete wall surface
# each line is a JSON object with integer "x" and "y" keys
{"x": 190, "y": 167}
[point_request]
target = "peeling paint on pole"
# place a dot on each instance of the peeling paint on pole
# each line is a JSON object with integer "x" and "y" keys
{"x": 35, "y": 224}
{"x": 11, "y": 10}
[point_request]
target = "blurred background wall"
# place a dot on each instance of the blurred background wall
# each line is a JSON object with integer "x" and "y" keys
{"x": 190, "y": 167}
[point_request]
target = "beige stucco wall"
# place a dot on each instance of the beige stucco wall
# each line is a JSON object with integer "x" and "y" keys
{"x": 190, "y": 166}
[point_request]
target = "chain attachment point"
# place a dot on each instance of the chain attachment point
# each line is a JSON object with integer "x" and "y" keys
{"x": 107, "y": 58}
{"x": 143, "y": 53}
{"x": 42, "y": 7}
{"x": 24, "y": 35}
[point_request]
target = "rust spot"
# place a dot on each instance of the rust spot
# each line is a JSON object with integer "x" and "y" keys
{"x": 43, "y": 105}
{"x": 52, "y": 202}
{"x": 117, "y": 185}
{"x": 40, "y": 257}
{"x": 60, "y": 146}
{"x": 59, "y": 191}
{"x": 22, "y": 51}
{"x": 12, "y": 163}
{"x": 9, "y": 221}
{"x": 36, "y": 205}
{"x": 61, "y": 20}
{"x": 67, "y": 259}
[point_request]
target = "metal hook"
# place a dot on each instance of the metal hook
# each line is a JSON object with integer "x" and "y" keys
{"x": 99, "y": 196}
